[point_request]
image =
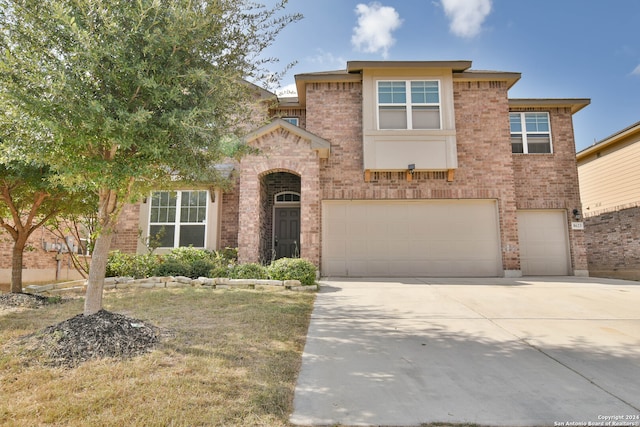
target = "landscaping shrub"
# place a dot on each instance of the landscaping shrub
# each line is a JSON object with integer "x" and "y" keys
{"x": 230, "y": 255}
{"x": 137, "y": 266}
{"x": 189, "y": 255}
{"x": 293, "y": 269}
{"x": 248, "y": 271}
{"x": 186, "y": 261}
{"x": 202, "y": 268}
{"x": 173, "y": 267}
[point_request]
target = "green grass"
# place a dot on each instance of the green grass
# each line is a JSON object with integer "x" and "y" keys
{"x": 229, "y": 358}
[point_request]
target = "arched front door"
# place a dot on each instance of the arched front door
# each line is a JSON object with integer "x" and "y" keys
{"x": 286, "y": 225}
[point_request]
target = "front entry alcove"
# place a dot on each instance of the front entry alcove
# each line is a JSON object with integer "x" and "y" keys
{"x": 280, "y": 215}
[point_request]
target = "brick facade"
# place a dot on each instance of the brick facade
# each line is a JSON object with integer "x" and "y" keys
{"x": 127, "y": 233}
{"x": 280, "y": 151}
{"x": 38, "y": 264}
{"x": 330, "y": 113}
{"x": 613, "y": 244}
{"x": 550, "y": 181}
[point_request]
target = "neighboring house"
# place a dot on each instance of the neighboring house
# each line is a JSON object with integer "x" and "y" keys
{"x": 609, "y": 173}
{"x": 412, "y": 168}
{"x": 46, "y": 257}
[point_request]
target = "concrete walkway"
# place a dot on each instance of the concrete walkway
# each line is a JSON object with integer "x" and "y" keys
{"x": 508, "y": 352}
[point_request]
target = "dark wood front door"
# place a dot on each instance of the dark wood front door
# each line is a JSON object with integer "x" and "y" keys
{"x": 286, "y": 239}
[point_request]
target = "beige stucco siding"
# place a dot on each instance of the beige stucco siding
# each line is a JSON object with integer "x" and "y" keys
{"x": 611, "y": 181}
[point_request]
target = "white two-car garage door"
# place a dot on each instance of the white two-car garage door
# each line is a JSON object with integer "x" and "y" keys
{"x": 445, "y": 238}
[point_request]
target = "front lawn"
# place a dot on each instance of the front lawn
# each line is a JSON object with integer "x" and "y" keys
{"x": 226, "y": 357}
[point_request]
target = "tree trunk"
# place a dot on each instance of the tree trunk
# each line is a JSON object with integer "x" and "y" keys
{"x": 97, "y": 271}
{"x": 16, "y": 265}
{"x": 107, "y": 217}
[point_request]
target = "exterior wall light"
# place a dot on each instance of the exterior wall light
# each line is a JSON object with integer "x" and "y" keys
{"x": 576, "y": 214}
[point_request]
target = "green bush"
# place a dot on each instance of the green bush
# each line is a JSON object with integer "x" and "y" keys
{"x": 186, "y": 261}
{"x": 221, "y": 271}
{"x": 173, "y": 267}
{"x": 230, "y": 255}
{"x": 293, "y": 269}
{"x": 137, "y": 266}
{"x": 248, "y": 271}
{"x": 189, "y": 255}
{"x": 202, "y": 268}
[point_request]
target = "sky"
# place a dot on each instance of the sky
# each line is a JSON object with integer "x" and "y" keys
{"x": 563, "y": 48}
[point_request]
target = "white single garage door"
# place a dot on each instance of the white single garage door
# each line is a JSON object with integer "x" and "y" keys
{"x": 445, "y": 238}
{"x": 544, "y": 247}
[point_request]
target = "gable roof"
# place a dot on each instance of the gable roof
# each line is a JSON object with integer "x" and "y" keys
{"x": 610, "y": 140}
{"x": 322, "y": 146}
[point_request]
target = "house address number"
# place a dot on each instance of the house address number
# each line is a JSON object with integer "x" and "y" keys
{"x": 577, "y": 225}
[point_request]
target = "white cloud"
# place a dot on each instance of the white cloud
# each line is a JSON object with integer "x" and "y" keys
{"x": 376, "y": 24}
{"x": 327, "y": 60}
{"x": 466, "y": 16}
{"x": 636, "y": 71}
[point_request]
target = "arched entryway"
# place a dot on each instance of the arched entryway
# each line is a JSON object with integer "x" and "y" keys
{"x": 280, "y": 197}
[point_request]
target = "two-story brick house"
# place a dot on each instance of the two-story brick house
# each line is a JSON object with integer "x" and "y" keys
{"x": 419, "y": 168}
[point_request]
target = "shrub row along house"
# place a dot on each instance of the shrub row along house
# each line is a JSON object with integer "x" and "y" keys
{"x": 416, "y": 168}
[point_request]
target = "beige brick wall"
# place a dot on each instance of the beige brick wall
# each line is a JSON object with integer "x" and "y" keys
{"x": 550, "y": 181}
{"x": 484, "y": 153}
{"x": 613, "y": 244}
{"x": 486, "y": 170}
{"x": 127, "y": 232}
{"x": 38, "y": 265}
{"x": 229, "y": 216}
{"x": 280, "y": 151}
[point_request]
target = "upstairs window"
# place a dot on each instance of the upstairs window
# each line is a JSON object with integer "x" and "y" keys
{"x": 530, "y": 133}
{"x": 293, "y": 120}
{"x": 178, "y": 218}
{"x": 411, "y": 104}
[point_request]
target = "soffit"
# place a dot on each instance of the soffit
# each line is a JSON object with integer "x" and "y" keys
{"x": 576, "y": 104}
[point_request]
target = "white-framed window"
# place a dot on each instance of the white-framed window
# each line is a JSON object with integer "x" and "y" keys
{"x": 292, "y": 120}
{"x": 178, "y": 218}
{"x": 409, "y": 104}
{"x": 530, "y": 133}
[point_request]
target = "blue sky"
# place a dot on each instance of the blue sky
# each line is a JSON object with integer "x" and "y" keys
{"x": 563, "y": 48}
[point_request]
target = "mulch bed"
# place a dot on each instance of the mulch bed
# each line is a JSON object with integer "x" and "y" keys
{"x": 81, "y": 338}
{"x": 23, "y": 300}
{"x": 100, "y": 335}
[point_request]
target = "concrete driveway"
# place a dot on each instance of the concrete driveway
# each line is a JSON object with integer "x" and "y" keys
{"x": 513, "y": 352}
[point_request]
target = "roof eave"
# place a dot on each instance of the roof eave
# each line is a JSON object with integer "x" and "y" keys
{"x": 609, "y": 141}
{"x": 576, "y": 104}
{"x": 359, "y": 66}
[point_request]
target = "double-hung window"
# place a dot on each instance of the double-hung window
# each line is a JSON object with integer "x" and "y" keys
{"x": 178, "y": 218}
{"x": 410, "y": 104}
{"x": 530, "y": 133}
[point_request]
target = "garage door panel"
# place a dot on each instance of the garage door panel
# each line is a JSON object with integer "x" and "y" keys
{"x": 412, "y": 238}
{"x": 544, "y": 248}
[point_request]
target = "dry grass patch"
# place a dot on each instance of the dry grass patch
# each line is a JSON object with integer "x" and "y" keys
{"x": 227, "y": 357}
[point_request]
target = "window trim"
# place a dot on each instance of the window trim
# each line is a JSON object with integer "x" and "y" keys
{"x": 408, "y": 104}
{"x": 284, "y": 194}
{"x": 177, "y": 223}
{"x": 524, "y": 133}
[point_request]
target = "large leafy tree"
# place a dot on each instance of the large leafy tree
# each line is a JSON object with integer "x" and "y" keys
{"x": 28, "y": 199}
{"x": 134, "y": 91}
